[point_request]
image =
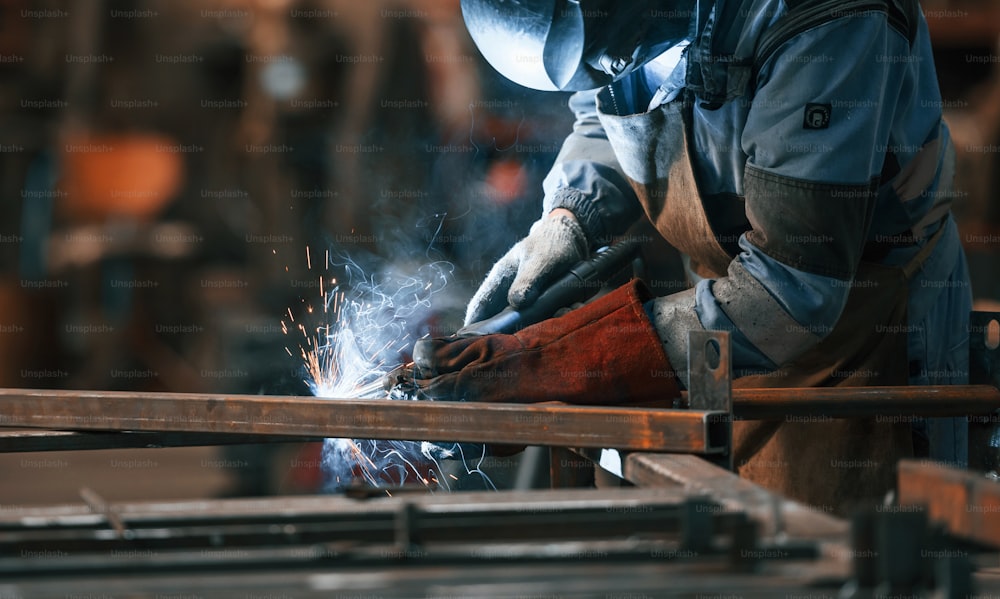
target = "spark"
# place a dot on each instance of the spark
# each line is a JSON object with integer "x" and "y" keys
{"x": 369, "y": 323}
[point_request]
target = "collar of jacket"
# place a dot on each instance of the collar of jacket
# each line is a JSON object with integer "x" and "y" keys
{"x": 714, "y": 72}
{"x": 735, "y": 37}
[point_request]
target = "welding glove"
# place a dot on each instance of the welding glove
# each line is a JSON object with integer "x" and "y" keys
{"x": 606, "y": 352}
{"x": 553, "y": 245}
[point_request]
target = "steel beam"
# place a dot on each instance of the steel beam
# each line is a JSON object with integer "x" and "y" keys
{"x": 185, "y": 419}
{"x": 430, "y": 545}
{"x": 776, "y": 515}
{"x": 967, "y": 503}
{"x": 460, "y": 518}
{"x": 859, "y": 402}
{"x": 297, "y": 509}
{"x": 688, "y": 431}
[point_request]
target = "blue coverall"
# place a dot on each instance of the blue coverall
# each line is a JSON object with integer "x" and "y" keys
{"x": 875, "y": 100}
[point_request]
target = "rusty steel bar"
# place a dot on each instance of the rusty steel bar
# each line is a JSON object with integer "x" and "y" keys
{"x": 971, "y": 400}
{"x": 856, "y": 402}
{"x": 688, "y": 431}
{"x": 776, "y": 515}
{"x": 967, "y": 503}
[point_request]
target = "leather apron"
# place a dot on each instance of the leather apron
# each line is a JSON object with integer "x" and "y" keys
{"x": 831, "y": 463}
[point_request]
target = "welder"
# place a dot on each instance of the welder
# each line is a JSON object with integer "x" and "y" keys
{"x": 794, "y": 152}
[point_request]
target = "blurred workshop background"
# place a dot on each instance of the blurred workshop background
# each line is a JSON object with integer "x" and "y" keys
{"x": 174, "y": 172}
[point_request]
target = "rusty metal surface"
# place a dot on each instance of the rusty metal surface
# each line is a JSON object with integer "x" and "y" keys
{"x": 538, "y": 424}
{"x": 709, "y": 371}
{"x": 843, "y": 402}
{"x": 966, "y": 502}
{"x": 696, "y": 476}
{"x": 710, "y": 382}
{"x": 241, "y": 419}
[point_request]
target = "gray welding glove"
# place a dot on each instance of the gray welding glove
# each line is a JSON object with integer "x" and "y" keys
{"x": 553, "y": 245}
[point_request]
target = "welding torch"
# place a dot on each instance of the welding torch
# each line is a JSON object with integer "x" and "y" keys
{"x": 579, "y": 284}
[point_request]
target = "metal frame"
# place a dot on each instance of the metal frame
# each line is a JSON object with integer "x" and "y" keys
{"x": 579, "y": 542}
{"x": 132, "y": 419}
{"x": 688, "y": 507}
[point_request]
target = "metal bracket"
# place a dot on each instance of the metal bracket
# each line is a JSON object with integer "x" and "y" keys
{"x": 710, "y": 383}
{"x": 709, "y": 389}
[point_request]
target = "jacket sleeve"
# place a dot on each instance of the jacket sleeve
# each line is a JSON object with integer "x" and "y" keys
{"x": 587, "y": 180}
{"x": 815, "y": 138}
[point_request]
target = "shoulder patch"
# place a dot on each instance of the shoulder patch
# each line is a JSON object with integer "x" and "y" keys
{"x": 817, "y": 116}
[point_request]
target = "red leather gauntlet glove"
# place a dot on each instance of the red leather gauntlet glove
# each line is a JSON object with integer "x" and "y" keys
{"x": 606, "y": 352}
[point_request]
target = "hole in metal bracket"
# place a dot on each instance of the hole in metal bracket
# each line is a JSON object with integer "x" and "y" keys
{"x": 712, "y": 354}
{"x": 992, "y": 336}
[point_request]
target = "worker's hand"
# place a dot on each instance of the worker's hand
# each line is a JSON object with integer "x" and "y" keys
{"x": 605, "y": 352}
{"x": 553, "y": 245}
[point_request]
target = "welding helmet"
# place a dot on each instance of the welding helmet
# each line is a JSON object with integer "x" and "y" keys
{"x": 569, "y": 45}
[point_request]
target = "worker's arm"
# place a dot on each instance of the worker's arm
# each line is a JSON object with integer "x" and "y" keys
{"x": 810, "y": 196}
{"x": 587, "y": 180}
{"x": 587, "y": 202}
{"x": 815, "y": 138}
